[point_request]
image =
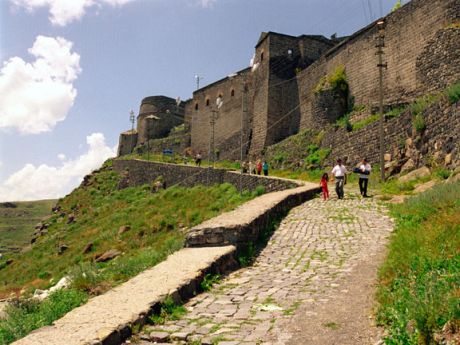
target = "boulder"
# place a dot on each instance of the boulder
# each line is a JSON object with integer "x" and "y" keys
{"x": 71, "y": 218}
{"x": 108, "y": 255}
{"x": 448, "y": 159}
{"x": 387, "y": 157}
{"x": 88, "y": 248}
{"x": 415, "y": 174}
{"x": 408, "y": 166}
{"x": 62, "y": 248}
{"x": 123, "y": 229}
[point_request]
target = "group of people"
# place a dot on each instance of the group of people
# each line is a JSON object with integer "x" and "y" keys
{"x": 255, "y": 168}
{"x": 339, "y": 173}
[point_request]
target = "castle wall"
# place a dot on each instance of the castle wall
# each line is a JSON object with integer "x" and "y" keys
{"x": 228, "y": 119}
{"x": 408, "y": 35}
{"x": 126, "y": 142}
{"x": 283, "y": 97}
{"x": 157, "y": 116}
{"x": 259, "y": 98}
{"x": 402, "y": 141}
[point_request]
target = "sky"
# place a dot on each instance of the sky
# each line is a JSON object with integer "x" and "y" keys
{"x": 71, "y": 70}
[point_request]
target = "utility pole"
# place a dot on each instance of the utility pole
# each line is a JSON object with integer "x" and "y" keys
{"x": 243, "y": 118}
{"x": 211, "y": 146}
{"x": 381, "y": 65}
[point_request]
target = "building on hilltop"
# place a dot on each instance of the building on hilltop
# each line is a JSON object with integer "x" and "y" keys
{"x": 285, "y": 91}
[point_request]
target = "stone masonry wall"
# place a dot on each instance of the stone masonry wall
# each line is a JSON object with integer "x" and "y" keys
{"x": 441, "y": 138}
{"x": 137, "y": 172}
{"x": 157, "y": 116}
{"x": 409, "y": 33}
{"x": 127, "y": 142}
{"x": 228, "y": 119}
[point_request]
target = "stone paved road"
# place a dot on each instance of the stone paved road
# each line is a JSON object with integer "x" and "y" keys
{"x": 308, "y": 261}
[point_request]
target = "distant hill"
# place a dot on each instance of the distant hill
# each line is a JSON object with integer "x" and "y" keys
{"x": 17, "y": 222}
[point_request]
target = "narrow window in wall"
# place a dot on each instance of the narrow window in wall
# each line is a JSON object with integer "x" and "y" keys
{"x": 262, "y": 56}
{"x": 207, "y": 102}
{"x": 232, "y": 93}
{"x": 196, "y": 106}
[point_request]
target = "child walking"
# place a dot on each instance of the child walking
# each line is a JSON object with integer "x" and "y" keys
{"x": 324, "y": 180}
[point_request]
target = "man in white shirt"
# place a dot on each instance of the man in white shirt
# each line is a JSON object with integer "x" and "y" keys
{"x": 365, "y": 169}
{"x": 339, "y": 172}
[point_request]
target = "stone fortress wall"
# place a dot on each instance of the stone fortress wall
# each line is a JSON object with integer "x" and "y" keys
{"x": 410, "y": 33}
{"x": 275, "y": 98}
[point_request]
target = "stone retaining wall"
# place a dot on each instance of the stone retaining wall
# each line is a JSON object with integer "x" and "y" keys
{"x": 245, "y": 224}
{"x": 439, "y": 140}
{"x": 137, "y": 172}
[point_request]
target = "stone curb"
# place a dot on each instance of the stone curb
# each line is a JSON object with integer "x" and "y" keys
{"x": 108, "y": 319}
{"x": 245, "y": 224}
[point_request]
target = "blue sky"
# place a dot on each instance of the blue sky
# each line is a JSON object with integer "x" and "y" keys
{"x": 86, "y": 63}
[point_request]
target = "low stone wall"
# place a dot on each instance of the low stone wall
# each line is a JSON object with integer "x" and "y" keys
{"x": 245, "y": 224}
{"x": 109, "y": 319}
{"x": 138, "y": 172}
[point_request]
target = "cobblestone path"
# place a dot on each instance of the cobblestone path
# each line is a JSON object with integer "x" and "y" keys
{"x": 307, "y": 261}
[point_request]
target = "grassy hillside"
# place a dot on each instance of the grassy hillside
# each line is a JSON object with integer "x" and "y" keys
{"x": 143, "y": 227}
{"x": 420, "y": 281}
{"x": 88, "y": 224}
{"x": 17, "y": 222}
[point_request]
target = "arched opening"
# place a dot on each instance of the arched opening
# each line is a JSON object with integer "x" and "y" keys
{"x": 196, "y": 106}
{"x": 207, "y": 102}
{"x": 232, "y": 93}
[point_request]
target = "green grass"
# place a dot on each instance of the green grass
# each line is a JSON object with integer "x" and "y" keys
{"x": 156, "y": 221}
{"x": 420, "y": 280}
{"x": 25, "y": 316}
{"x": 367, "y": 121}
{"x": 17, "y": 224}
{"x": 209, "y": 280}
{"x": 453, "y": 93}
{"x": 169, "y": 310}
{"x": 100, "y": 210}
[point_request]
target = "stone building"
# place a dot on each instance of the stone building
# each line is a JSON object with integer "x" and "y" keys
{"x": 275, "y": 98}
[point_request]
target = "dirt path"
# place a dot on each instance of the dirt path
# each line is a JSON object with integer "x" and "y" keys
{"x": 312, "y": 284}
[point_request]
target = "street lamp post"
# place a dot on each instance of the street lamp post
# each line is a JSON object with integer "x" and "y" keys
{"x": 381, "y": 65}
{"x": 132, "y": 119}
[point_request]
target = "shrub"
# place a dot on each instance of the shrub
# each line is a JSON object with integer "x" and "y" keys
{"x": 418, "y": 122}
{"x": 259, "y": 190}
{"x": 169, "y": 311}
{"x": 209, "y": 280}
{"x": 453, "y": 93}
{"x": 336, "y": 81}
{"x": 344, "y": 122}
{"x": 27, "y": 315}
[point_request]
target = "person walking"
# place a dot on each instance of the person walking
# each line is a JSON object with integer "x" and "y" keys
{"x": 259, "y": 167}
{"x": 340, "y": 174}
{"x": 323, "y": 183}
{"x": 365, "y": 169}
{"x": 198, "y": 159}
{"x": 251, "y": 167}
{"x": 265, "y": 168}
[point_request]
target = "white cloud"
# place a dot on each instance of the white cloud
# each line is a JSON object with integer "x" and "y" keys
{"x": 61, "y": 156}
{"x": 63, "y": 12}
{"x": 50, "y": 182}
{"x": 207, "y": 3}
{"x": 35, "y": 96}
